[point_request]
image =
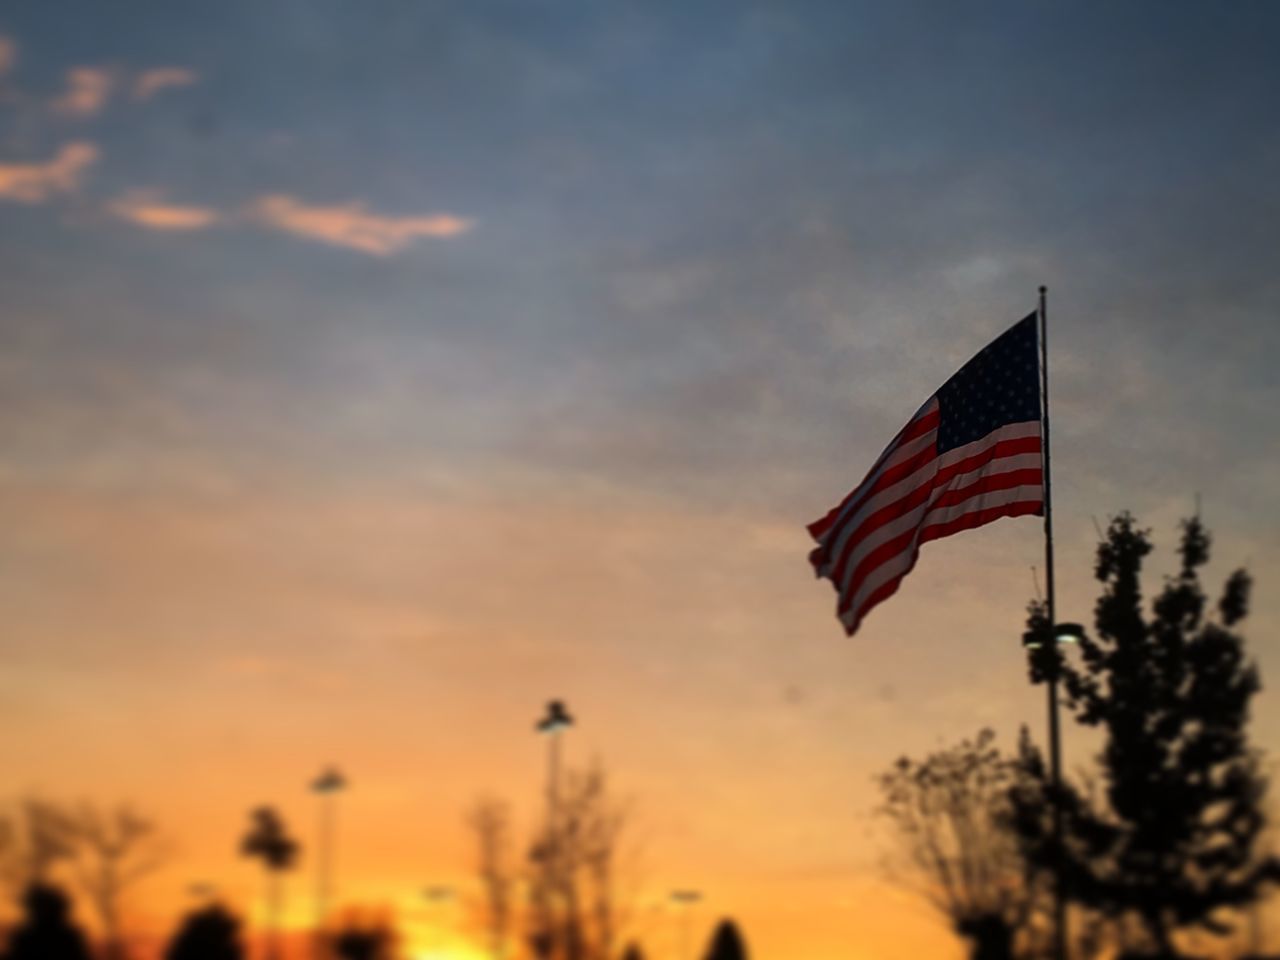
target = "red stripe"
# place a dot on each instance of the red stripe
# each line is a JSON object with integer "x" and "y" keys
{"x": 997, "y": 451}
{"x": 969, "y": 521}
{"x": 912, "y": 431}
{"x": 893, "y": 547}
{"x": 876, "y": 558}
{"x": 886, "y": 514}
{"x": 1019, "y": 508}
{"x": 880, "y": 594}
{"x": 891, "y": 512}
{"x": 890, "y": 477}
{"x": 999, "y": 481}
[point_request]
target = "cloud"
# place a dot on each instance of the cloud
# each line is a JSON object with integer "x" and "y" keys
{"x": 145, "y": 208}
{"x": 8, "y": 54}
{"x": 151, "y": 82}
{"x": 35, "y": 182}
{"x": 88, "y": 89}
{"x": 351, "y": 225}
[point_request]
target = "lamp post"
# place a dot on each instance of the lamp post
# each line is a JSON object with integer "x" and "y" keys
{"x": 556, "y": 720}
{"x": 203, "y": 892}
{"x": 438, "y": 897}
{"x": 326, "y": 786}
{"x": 1048, "y": 660}
{"x": 686, "y": 899}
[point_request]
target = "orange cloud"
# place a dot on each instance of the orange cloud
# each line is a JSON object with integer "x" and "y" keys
{"x": 8, "y": 54}
{"x": 35, "y": 182}
{"x": 144, "y": 208}
{"x": 151, "y": 82}
{"x": 351, "y": 225}
{"x": 88, "y": 89}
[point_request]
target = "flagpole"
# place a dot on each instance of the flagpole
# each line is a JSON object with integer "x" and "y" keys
{"x": 1055, "y": 745}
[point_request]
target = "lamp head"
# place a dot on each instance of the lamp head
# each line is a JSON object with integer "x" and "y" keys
{"x": 330, "y": 781}
{"x": 557, "y": 718}
{"x": 1068, "y": 633}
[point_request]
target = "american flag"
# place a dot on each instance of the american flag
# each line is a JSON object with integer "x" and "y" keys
{"x": 969, "y": 456}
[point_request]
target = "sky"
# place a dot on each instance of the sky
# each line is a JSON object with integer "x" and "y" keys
{"x": 374, "y": 372}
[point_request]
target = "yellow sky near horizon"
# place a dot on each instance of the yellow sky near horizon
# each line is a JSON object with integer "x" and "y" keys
{"x": 413, "y": 641}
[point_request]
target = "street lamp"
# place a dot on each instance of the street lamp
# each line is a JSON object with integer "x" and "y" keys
{"x": 438, "y": 897}
{"x": 687, "y": 899}
{"x": 326, "y": 786}
{"x": 1068, "y": 633}
{"x": 556, "y": 720}
{"x": 1062, "y": 633}
{"x": 202, "y": 890}
{"x": 1046, "y": 663}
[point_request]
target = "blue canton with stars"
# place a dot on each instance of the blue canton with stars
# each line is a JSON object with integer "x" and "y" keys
{"x": 1000, "y": 385}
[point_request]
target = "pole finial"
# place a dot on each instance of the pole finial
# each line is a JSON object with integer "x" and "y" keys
{"x": 1043, "y": 289}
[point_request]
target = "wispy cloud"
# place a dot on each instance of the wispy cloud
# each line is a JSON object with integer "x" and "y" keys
{"x": 88, "y": 90}
{"x": 150, "y": 82}
{"x": 147, "y": 208}
{"x": 351, "y": 225}
{"x": 8, "y": 54}
{"x": 35, "y": 182}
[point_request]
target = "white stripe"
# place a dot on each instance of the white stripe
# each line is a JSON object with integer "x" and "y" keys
{"x": 891, "y": 457}
{"x": 890, "y": 495}
{"x": 1010, "y": 431}
{"x": 895, "y": 456}
{"x": 900, "y": 563}
{"x": 845, "y": 527}
{"x": 995, "y": 498}
{"x": 900, "y": 525}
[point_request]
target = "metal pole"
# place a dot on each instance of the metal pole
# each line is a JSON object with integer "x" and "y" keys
{"x": 553, "y": 837}
{"x": 323, "y": 854}
{"x": 1055, "y": 745}
{"x": 553, "y": 779}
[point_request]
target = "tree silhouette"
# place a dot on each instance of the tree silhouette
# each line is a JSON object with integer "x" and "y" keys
{"x": 371, "y": 937}
{"x": 951, "y": 820}
{"x": 576, "y": 909}
{"x": 1170, "y": 836}
{"x": 362, "y": 945}
{"x": 726, "y": 943}
{"x": 268, "y": 841}
{"x": 212, "y": 933}
{"x": 490, "y": 822}
{"x": 113, "y": 851}
{"x": 46, "y": 931}
{"x": 35, "y": 837}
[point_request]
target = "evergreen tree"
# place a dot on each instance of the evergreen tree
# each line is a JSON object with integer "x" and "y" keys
{"x": 1170, "y": 837}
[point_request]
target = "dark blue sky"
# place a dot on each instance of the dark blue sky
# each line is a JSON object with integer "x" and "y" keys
{"x": 758, "y": 212}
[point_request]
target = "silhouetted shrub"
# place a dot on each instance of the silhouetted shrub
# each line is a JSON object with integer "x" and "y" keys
{"x": 209, "y": 934}
{"x": 46, "y": 931}
{"x": 726, "y": 943}
{"x": 364, "y": 938}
